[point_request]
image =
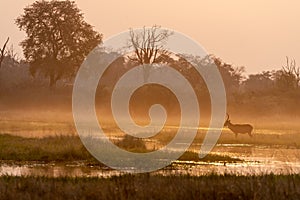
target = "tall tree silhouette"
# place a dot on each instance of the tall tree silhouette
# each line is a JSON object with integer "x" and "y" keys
{"x": 58, "y": 38}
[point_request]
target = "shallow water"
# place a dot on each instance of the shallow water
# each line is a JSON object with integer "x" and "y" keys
{"x": 56, "y": 170}
{"x": 257, "y": 160}
{"x": 178, "y": 168}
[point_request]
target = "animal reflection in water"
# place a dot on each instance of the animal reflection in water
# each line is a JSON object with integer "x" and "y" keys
{"x": 238, "y": 128}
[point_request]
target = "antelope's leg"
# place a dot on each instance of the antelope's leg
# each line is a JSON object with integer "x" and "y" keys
{"x": 250, "y": 134}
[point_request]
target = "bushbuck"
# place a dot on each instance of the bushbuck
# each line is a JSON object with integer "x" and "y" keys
{"x": 238, "y": 128}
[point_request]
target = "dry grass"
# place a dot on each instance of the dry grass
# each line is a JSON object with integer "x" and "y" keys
{"x": 56, "y": 148}
{"x": 70, "y": 148}
{"x": 145, "y": 186}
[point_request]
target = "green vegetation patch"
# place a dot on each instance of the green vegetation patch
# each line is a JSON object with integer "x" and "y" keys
{"x": 70, "y": 148}
{"x": 56, "y": 148}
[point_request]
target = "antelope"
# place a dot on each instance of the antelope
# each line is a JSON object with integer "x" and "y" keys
{"x": 238, "y": 128}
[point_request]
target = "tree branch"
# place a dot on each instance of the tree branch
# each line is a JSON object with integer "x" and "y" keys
{"x": 2, "y": 51}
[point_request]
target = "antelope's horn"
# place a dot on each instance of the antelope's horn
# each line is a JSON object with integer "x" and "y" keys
{"x": 227, "y": 116}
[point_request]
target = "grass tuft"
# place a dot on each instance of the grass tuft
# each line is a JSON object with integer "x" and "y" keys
{"x": 146, "y": 186}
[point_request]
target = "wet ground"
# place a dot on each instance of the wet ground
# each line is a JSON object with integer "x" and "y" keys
{"x": 274, "y": 157}
{"x": 256, "y": 160}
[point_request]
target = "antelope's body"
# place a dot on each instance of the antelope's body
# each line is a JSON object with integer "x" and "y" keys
{"x": 238, "y": 128}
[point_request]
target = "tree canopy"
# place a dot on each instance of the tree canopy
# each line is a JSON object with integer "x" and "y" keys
{"x": 58, "y": 38}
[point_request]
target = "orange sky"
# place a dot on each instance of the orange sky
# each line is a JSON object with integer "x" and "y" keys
{"x": 256, "y": 34}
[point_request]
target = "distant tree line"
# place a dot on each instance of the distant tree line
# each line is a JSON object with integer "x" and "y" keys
{"x": 58, "y": 40}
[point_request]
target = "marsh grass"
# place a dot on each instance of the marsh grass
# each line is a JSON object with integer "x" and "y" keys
{"x": 193, "y": 156}
{"x": 263, "y": 137}
{"x": 146, "y": 186}
{"x": 32, "y": 128}
{"x": 276, "y": 136}
{"x": 56, "y": 148}
{"x": 70, "y": 148}
{"x": 132, "y": 144}
{"x": 266, "y": 138}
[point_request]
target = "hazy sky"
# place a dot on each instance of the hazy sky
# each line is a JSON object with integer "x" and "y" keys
{"x": 257, "y": 34}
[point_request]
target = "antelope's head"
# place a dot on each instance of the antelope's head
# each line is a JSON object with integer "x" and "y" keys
{"x": 227, "y": 122}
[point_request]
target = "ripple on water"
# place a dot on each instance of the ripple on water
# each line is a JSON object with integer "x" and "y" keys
{"x": 178, "y": 167}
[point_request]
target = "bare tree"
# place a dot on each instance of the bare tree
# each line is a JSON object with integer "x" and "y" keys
{"x": 290, "y": 66}
{"x": 291, "y": 73}
{"x": 148, "y": 45}
{"x": 12, "y": 54}
{"x": 3, "y": 52}
{"x": 296, "y": 71}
